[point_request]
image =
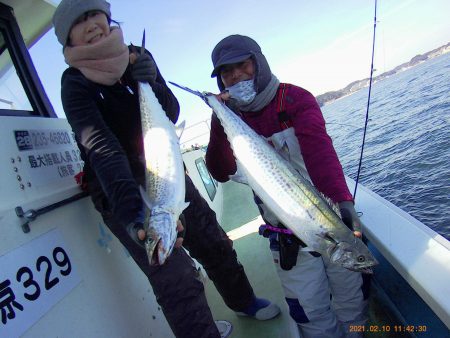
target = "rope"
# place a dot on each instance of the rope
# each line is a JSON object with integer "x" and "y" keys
{"x": 368, "y": 101}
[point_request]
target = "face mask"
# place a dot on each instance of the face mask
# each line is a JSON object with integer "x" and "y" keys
{"x": 243, "y": 92}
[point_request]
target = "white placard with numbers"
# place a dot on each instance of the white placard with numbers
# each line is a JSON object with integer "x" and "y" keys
{"x": 33, "y": 278}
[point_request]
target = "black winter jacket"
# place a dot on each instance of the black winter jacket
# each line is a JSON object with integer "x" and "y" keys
{"x": 107, "y": 126}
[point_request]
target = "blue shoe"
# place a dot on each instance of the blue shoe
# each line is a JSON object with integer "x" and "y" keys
{"x": 260, "y": 309}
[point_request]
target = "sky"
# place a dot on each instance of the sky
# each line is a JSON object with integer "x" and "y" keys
{"x": 318, "y": 45}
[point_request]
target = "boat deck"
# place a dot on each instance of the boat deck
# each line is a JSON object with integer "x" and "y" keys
{"x": 241, "y": 221}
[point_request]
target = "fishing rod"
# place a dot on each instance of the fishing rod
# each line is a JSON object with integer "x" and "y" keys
{"x": 368, "y": 102}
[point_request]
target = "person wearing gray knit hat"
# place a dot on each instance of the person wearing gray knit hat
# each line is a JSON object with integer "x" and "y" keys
{"x": 324, "y": 298}
{"x": 100, "y": 96}
{"x": 69, "y": 10}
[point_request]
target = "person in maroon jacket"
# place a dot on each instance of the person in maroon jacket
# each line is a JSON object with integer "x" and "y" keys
{"x": 324, "y": 299}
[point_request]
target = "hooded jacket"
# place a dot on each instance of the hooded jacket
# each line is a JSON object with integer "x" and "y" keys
{"x": 302, "y": 111}
{"x": 237, "y": 48}
{"x": 107, "y": 126}
{"x": 316, "y": 146}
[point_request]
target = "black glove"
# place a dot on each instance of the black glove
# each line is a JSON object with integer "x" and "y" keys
{"x": 349, "y": 215}
{"x": 132, "y": 230}
{"x": 144, "y": 69}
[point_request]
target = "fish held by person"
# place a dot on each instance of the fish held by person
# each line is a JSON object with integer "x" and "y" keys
{"x": 164, "y": 195}
{"x": 296, "y": 202}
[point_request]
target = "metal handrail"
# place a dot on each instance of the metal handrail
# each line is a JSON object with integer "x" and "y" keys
{"x": 31, "y": 214}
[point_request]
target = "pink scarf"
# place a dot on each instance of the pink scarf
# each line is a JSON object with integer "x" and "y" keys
{"x": 103, "y": 62}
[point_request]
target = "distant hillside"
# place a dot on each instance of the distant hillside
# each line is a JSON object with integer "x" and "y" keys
{"x": 357, "y": 85}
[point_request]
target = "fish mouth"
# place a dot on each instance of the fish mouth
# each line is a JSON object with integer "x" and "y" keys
{"x": 342, "y": 254}
{"x": 151, "y": 246}
{"x": 157, "y": 253}
{"x": 365, "y": 270}
{"x": 368, "y": 271}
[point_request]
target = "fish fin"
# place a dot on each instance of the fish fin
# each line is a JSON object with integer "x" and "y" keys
{"x": 148, "y": 203}
{"x": 328, "y": 236}
{"x": 143, "y": 44}
{"x": 180, "y": 128}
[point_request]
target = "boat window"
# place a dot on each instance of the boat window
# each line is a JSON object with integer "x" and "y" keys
{"x": 207, "y": 180}
{"x": 21, "y": 91}
{"x": 12, "y": 93}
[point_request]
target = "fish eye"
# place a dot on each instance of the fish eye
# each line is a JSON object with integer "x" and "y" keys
{"x": 361, "y": 258}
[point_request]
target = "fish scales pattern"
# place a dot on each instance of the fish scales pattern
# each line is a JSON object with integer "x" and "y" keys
{"x": 295, "y": 201}
{"x": 165, "y": 187}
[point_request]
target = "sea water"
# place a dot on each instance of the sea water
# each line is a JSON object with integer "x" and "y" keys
{"x": 406, "y": 156}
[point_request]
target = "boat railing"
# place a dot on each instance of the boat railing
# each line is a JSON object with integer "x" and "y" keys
{"x": 196, "y": 131}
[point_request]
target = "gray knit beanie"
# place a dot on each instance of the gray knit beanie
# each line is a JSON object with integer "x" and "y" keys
{"x": 69, "y": 10}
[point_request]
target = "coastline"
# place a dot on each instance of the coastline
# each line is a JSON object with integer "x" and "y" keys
{"x": 353, "y": 87}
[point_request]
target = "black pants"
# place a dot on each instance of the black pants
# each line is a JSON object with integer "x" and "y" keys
{"x": 176, "y": 284}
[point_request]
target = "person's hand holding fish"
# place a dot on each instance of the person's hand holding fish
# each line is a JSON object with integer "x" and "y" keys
{"x": 143, "y": 67}
{"x": 223, "y": 96}
{"x": 179, "y": 242}
{"x": 350, "y": 217}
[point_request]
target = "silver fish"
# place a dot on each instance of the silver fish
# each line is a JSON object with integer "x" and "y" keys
{"x": 165, "y": 183}
{"x": 289, "y": 195}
